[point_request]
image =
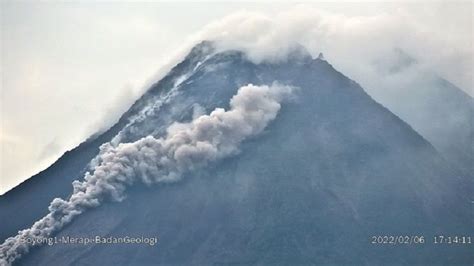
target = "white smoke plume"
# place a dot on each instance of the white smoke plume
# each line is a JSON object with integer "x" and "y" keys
{"x": 150, "y": 160}
{"x": 355, "y": 45}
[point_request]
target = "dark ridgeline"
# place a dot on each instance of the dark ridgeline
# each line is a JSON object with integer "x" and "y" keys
{"x": 332, "y": 170}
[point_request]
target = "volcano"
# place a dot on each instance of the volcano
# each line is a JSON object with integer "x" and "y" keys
{"x": 329, "y": 176}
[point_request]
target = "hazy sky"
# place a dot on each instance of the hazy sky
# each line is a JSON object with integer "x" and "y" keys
{"x": 70, "y": 69}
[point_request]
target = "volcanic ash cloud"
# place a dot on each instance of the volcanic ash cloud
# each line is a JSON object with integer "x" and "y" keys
{"x": 150, "y": 160}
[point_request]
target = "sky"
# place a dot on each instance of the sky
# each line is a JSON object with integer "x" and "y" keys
{"x": 70, "y": 69}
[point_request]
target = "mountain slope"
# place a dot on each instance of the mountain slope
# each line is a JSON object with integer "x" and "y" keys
{"x": 35, "y": 193}
{"x": 334, "y": 169}
{"x": 436, "y": 108}
{"x": 442, "y": 113}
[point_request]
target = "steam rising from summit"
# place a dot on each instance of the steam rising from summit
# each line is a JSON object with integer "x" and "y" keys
{"x": 357, "y": 45}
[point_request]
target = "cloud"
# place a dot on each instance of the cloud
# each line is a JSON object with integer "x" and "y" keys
{"x": 187, "y": 146}
{"x": 354, "y": 44}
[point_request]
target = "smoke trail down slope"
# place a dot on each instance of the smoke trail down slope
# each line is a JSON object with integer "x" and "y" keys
{"x": 155, "y": 102}
{"x": 186, "y": 146}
